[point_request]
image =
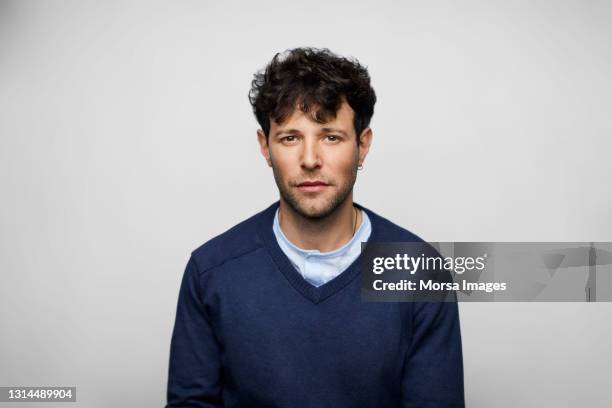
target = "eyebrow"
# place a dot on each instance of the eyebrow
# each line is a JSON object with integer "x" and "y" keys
{"x": 280, "y": 132}
{"x": 328, "y": 129}
{"x": 325, "y": 129}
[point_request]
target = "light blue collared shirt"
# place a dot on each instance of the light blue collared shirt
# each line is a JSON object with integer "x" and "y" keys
{"x": 319, "y": 267}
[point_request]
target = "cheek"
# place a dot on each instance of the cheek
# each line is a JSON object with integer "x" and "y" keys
{"x": 283, "y": 166}
{"x": 343, "y": 163}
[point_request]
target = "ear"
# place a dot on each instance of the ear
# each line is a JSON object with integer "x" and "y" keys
{"x": 365, "y": 140}
{"x": 263, "y": 146}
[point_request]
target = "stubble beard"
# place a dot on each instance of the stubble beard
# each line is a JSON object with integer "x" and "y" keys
{"x": 313, "y": 212}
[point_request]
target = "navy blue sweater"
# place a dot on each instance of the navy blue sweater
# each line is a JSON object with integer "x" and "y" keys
{"x": 251, "y": 332}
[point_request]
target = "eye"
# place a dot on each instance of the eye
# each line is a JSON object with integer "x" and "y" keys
{"x": 332, "y": 138}
{"x": 288, "y": 139}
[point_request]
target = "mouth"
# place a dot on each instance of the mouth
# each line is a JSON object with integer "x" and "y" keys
{"x": 312, "y": 186}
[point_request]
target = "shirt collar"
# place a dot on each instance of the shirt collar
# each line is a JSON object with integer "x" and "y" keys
{"x": 355, "y": 240}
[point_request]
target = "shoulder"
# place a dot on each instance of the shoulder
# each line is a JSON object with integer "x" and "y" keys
{"x": 239, "y": 240}
{"x": 386, "y": 230}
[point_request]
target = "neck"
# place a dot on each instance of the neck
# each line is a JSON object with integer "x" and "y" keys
{"x": 324, "y": 234}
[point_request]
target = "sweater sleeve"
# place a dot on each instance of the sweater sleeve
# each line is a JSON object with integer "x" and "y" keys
{"x": 433, "y": 370}
{"x": 194, "y": 377}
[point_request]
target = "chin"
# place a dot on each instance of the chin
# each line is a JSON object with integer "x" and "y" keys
{"x": 312, "y": 206}
{"x": 314, "y": 209}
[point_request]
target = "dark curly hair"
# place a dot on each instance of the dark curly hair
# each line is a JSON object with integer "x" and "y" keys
{"x": 316, "y": 81}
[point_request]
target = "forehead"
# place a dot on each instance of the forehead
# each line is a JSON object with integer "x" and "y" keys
{"x": 344, "y": 119}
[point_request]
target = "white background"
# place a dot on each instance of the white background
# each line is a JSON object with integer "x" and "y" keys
{"x": 127, "y": 140}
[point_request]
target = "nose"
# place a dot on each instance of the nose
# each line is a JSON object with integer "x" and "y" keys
{"x": 310, "y": 154}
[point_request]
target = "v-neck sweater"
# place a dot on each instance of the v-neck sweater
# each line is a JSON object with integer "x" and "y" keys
{"x": 251, "y": 332}
{"x": 319, "y": 267}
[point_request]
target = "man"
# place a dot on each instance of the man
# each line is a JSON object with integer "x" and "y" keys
{"x": 269, "y": 312}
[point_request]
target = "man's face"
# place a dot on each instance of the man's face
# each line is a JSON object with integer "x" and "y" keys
{"x": 314, "y": 164}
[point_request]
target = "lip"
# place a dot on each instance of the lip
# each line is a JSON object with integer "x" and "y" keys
{"x": 312, "y": 186}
